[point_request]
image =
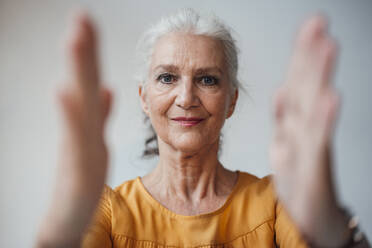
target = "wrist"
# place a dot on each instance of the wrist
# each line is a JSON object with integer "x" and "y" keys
{"x": 47, "y": 243}
{"x": 341, "y": 231}
{"x": 46, "y": 239}
{"x": 53, "y": 233}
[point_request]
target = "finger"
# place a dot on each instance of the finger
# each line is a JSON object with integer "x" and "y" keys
{"x": 83, "y": 58}
{"x": 70, "y": 115}
{"x": 310, "y": 31}
{"x": 300, "y": 77}
{"x": 307, "y": 40}
{"x": 311, "y": 66}
{"x": 106, "y": 101}
{"x": 320, "y": 75}
{"x": 327, "y": 54}
{"x": 77, "y": 126}
{"x": 279, "y": 104}
{"x": 325, "y": 116}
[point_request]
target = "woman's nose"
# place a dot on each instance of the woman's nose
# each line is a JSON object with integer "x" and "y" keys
{"x": 186, "y": 95}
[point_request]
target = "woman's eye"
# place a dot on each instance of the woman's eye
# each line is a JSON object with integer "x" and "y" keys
{"x": 166, "y": 78}
{"x": 209, "y": 80}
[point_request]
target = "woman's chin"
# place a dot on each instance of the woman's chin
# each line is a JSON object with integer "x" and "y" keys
{"x": 188, "y": 149}
{"x": 190, "y": 144}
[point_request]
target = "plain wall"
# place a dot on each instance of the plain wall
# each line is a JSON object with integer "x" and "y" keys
{"x": 32, "y": 66}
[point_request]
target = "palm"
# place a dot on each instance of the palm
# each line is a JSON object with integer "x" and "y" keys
{"x": 83, "y": 160}
{"x": 305, "y": 110}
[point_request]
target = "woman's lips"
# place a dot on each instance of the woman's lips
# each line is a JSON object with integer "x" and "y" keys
{"x": 188, "y": 121}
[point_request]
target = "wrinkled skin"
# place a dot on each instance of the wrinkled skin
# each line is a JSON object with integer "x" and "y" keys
{"x": 305, "y": 112}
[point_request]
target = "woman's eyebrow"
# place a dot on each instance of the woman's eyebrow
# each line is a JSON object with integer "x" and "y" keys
{"x": 209, "y": 70}
{"x": 167, "y": 67}
{"x": 203, "y": 70}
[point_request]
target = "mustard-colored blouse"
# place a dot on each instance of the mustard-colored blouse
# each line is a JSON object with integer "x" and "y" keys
{"x": 129, "y": 216}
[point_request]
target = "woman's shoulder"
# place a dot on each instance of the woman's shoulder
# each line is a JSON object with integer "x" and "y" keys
{"x": 256, "y": 194}
{"x": 251, "y": 183}
{"x": 127, "y": 186}
{"x": 123, "y": 190}
{"x": 125, "y": 202}
{"x": 249, "y": 177}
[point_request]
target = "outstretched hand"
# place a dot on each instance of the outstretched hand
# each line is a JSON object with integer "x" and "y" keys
{"x": 305, "y": 110}
{"x": 83, "y": 161}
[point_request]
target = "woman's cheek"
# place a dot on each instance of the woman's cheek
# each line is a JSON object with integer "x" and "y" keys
{"x": 159, "y": 118}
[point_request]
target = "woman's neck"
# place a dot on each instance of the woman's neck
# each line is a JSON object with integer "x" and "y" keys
{"x": 190, "y": 178}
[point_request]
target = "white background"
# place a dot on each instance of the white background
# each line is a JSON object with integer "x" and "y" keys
{"x": 32, "y": 66}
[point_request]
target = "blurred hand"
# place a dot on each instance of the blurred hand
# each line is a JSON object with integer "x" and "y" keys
{"x": 83, "y": 161}
{"x": 305, "y": 110}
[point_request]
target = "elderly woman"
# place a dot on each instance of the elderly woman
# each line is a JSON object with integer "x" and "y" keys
{"x": 188, "y": 90}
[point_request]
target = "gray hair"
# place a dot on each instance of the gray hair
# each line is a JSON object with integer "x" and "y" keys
{"x": 191, "y": 22}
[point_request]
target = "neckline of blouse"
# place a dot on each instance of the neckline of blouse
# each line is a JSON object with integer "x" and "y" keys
{"x": 155, "y": 203}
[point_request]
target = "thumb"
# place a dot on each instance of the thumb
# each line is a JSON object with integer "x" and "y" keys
{"x": 279, "y": 104}
{"x": 106, "y": 101}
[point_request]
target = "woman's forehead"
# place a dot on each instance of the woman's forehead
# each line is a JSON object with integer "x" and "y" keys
{"x": 178, "y": 50}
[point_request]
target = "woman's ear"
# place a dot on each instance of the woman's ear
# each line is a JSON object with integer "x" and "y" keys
{"x": 233, "y": 104}
{"x": 142, "y": 95}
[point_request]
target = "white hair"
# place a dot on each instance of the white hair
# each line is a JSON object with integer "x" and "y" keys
{"x": 188, "y": 21}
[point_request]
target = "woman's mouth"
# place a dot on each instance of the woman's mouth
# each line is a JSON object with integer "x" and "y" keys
{"x": 188, "y": 121}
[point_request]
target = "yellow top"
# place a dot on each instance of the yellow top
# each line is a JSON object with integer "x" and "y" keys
{"x": 129, "y": 216}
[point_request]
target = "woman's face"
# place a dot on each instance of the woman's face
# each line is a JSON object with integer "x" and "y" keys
{"x": 188, "y": 94}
